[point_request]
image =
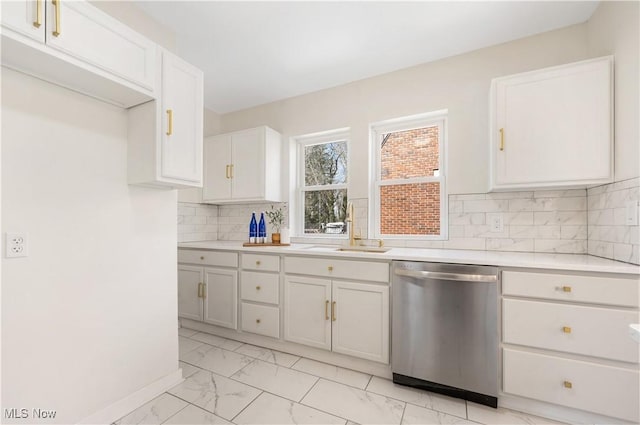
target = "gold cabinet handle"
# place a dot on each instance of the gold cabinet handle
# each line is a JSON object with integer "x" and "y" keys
{"x": 204, "y": 290}
{"x": 257, "y": 320}
{"x": 169, "y": 122}
{"x": 231, "y": 171}
{"x": 502, "y": 139}
{"x": 38, "y": 20}
{"x": 58, "y": 30}
{"x": 567, "y": 384}
{"x": 566, "y": 329}
{"x": 326, "y": 310}
{"x": 202, "y": 258}
{"x": 330, "y": 268}
{"x": 258, "y": 288}
{"x": 257, "y": 263}
{"x": 199, "y": 289}
{"x": 566, "y": 288}
{"x": 333, "y": 311}
{"x": 226, "y": 172}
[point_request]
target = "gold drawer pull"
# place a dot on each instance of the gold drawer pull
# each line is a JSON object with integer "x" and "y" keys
{"x": 199, "y": 289}
{"x": 226, "y": 173}
{"x": 326, "y": 310}
{"x": 38, "y": 20}
{"x": 502, "y": 139}
{"x": 258, "y": 288}
{"x": 257, "y": 320}
{"x": 202, "y": 258}
{"x": 333, "y": 311}
{"x": 330, "y": 268}
{"x": 566, "y": 329}
{"x": 257, "y": 263}
{"x": 169, "y": 122}
{"x": 566, "y": 289}
{"x": 568, "y": 384}
{"x": 58, "y": 30}
{"x": 204, "y": 290}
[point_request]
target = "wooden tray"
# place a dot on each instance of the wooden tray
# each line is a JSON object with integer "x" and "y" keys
{"x": 265, "y": 244}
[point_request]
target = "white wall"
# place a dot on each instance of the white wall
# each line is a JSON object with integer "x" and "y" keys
{"x": 614, "y": 29}
{"x": 459, "y": 84}
{"x": 90, "y": 316}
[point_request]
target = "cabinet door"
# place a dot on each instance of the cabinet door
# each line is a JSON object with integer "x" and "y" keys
{"x": 25, "y": 17}
{"x": 361, "y": 320}
{"x": 248, "y": 157}
{"x": 217, "y": 163}
{"x": 556, "y": 126}
{"x": 182, "y": 100}
{"x": 189, "y": 303}
{"x": 221, "y": 297}
{"x": 307, "y": 306}
{"x": 86, "y": 33}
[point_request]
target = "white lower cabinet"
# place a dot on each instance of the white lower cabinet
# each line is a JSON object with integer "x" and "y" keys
{"x": 345, "y": 317}
{"x": 558, "y": 350}
{"x": 220, "y": 295}
{"x": 606, "y": 390}
{"x": 190, "y": 281}
{"x": 207, "y": 291}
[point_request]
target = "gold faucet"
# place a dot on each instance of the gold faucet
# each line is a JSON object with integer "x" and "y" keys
{"x": 351, "y": 220}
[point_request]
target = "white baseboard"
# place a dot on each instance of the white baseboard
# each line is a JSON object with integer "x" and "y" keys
{"x": 131, "y": 402}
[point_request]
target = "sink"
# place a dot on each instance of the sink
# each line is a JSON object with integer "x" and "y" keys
{"x": 357, "y": 248}
{"x": 364, "y": 249}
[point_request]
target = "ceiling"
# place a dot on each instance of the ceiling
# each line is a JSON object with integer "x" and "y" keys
{"x": 258, "y": 52}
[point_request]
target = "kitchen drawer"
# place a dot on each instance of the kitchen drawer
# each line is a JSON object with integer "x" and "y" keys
{"x": 579, "y": 288}
{"x": 592, "y": 331}
{"x": 260, "y": 287}
{"x": 208, "y": 258}
{"x": 260, "y": 319}
{"x": 607, "y": 390}
{"x": 333, "y": 268}
{"x": 268, "y": 263}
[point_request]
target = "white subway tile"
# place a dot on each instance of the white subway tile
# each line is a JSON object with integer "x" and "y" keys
{"x": 510, "y": 244}
{"x": 561, "y": 246}
{"x": 600, "y": 249}
{"x": 486, "y": 206}
{"x": 517, "y": 205}
{"x": 573, "y": 232}
{"x": 548, "y": 232}
{"x": 468, "y": 197}
{"x": 543, "y": 218}
{"x": 559, "y": 193}
{"x": 518, "y": 218}
{"x": 520, "y": 232}
{"x": 464, "y": 243}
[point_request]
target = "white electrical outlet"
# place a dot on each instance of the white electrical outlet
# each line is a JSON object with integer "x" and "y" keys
{"x": 16, "y": 245}
{"x": 496, "y": 222}
{"x": 631, "y": 218}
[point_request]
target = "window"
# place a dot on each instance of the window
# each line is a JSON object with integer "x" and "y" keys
{"x": 321, "y": 205}
{"x": 409, "y": 197}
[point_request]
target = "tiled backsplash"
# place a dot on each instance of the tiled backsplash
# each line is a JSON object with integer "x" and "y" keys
{"x": 609, "y": 236}
{"x": 552, "y": 221}
{"x": 197, "y": 222}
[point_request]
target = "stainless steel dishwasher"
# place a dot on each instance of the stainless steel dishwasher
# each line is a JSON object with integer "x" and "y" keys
{"x": 445, "y": 329}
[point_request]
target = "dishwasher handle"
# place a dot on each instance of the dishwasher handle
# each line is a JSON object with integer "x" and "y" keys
{"x": 419, "y": 274}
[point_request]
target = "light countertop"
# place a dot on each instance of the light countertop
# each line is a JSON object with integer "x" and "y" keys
{"x": 573, "y": 262}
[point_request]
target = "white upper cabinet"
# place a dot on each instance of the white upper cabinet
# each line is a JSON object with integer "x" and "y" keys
{"x": 78, "y": 46}
{"x": 553, "y": 127}
{"x": 165, "y": 136}
{"x": 85, "y": 32}
{"x": 242, "y": 167}
{"x": 25, "y": 17}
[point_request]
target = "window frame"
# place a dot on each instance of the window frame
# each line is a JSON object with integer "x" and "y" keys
{"x": 301, "y": 142}
{"x": 376, "y": 133}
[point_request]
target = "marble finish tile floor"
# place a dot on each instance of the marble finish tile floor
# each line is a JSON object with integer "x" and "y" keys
{"x": 229, "y": 382}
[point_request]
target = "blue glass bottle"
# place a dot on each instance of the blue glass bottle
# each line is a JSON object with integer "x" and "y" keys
{"x": 253, "y": 229}
{"x": 262, "y": 229}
